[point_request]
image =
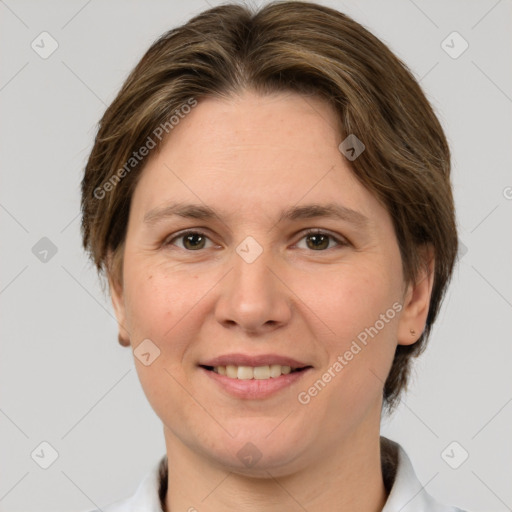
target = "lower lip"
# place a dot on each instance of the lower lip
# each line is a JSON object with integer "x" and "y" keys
{"x": 254, "y": 389}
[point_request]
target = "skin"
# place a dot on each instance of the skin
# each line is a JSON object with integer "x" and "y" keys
{"x": 248, "y": 157}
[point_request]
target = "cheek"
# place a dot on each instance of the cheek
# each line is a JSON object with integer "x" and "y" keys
{"x": 159, "y": 305}
{"x": 361, "y": 309}
{"x": 149, "y": 306}
{"x": 356, "y": 298}
{"x": 158, "y": 299}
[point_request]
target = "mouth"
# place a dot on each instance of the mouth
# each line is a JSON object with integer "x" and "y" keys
{"x": 244, "y": 372}
{"x": 253, "y": 377}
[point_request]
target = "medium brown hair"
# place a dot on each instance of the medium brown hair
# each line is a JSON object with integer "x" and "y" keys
{"x": 286, "y": 46}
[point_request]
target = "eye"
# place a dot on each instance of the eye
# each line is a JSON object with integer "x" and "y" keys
{"x": 318, "y": 240}
{"x": 192, "y": 240}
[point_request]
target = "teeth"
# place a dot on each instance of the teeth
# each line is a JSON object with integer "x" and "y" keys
{"x": 275, "y": 370}
{"x": 232, "y": 372}
{"x": 261, "y": 372}
{"x": 249, "y": 372}
{"x": 245, "y": 373}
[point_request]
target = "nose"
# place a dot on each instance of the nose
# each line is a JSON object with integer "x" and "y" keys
{"x": 253, "y": 296}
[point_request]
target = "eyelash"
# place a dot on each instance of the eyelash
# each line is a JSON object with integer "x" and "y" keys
{"x": 340, "y": 242}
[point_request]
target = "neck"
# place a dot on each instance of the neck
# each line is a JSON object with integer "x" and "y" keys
{"x": 349, "y": 477}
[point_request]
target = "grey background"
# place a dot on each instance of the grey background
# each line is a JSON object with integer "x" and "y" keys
{"x": 63, "y": 377}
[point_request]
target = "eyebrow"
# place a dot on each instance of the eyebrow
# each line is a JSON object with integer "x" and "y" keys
{"x": 308, "y": 211}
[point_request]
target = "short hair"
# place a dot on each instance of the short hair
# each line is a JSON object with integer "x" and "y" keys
{"x": 297, "y": 47}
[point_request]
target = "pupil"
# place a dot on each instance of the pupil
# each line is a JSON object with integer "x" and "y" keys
{"x": 316, "y": 239}
{"x": 190, "y": 240}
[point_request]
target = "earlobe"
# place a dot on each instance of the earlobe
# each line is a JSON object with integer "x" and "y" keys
{"x": 417, "y": 301}
{"x": 123, "y": 341}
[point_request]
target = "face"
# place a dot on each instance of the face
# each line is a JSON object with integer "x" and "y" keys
{"x": 265, "y": 283}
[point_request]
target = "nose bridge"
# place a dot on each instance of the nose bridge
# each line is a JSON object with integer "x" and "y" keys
{"x": 253, "y": 298}
{"x": 252, "y": 266}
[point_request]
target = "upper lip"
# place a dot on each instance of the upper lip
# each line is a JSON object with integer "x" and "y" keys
{"x": 253, "y": 360}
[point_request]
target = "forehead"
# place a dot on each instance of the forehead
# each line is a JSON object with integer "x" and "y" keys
{"x": 252, "y": 150}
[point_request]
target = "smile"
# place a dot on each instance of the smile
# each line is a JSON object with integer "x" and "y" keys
{"x": 265, "y": 372}
{"x": 254, "y": 382}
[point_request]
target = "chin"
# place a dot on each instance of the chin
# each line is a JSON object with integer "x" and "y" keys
{"x": 251, "y": 461}
{"x": 259, "y": 450}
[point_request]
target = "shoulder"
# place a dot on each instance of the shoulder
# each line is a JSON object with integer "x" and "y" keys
{"x": 407, "y": 494}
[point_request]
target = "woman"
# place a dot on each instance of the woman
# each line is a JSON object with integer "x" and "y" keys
{"x": 269, "y": 197}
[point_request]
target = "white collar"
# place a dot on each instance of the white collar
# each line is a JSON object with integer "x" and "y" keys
{"x": 407, "y": 494}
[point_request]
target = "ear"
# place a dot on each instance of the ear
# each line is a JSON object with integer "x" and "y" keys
{"x": 417, "y": 300}
{"x": 116, "y": 294}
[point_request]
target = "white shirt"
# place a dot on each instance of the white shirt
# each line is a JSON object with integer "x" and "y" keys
{"x": 406, "y": 495}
